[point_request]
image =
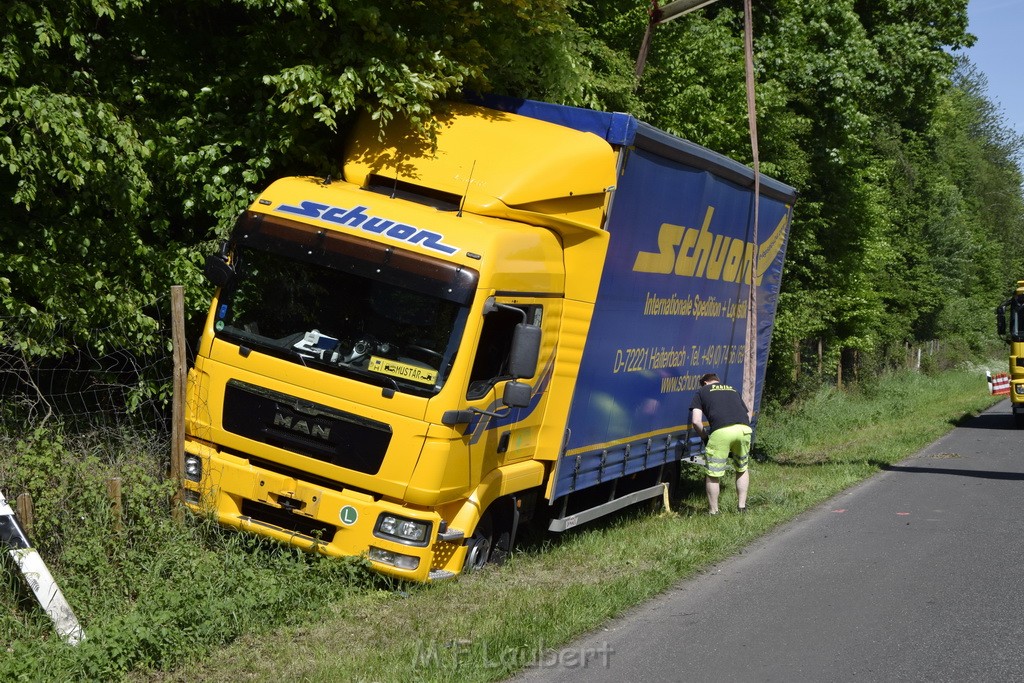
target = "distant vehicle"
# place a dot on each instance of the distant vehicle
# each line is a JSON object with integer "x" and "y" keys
{"x": 1010, "y": 326}
{"x": 413, "y": 362}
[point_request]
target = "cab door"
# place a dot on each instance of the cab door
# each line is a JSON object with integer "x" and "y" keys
{"x": 509, "y": 434}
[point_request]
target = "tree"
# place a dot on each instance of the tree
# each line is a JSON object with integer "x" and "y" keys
{"x": 132, "y": 134}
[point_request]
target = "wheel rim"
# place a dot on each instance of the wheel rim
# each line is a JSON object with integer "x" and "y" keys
{"x": 478, "y": 553}
{"x": 478, "y": 549}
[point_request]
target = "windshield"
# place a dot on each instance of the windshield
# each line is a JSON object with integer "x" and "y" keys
{"x": 344, "y": 304}
{"x": 1017, "y": 318}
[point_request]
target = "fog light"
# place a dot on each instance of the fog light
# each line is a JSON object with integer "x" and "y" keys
{"x": 401, "y": 529}
{"x": 189, "y": 496}
{"x": 394, "y": 559}
{"x": 193, "y": 468}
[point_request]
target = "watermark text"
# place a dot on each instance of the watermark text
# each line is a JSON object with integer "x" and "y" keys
{"x": 484, "y": 655}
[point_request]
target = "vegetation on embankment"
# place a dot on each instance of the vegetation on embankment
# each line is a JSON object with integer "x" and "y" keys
{"x": 159, "y": 598}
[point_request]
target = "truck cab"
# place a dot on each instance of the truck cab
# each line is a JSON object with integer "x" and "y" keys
{"x": 377, "y": 364}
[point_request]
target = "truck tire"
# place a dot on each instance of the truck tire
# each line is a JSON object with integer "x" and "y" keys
{"x": 491, "y": 541}
{"x": 478, "y": 547}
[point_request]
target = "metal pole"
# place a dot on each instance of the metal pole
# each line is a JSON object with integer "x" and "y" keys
{"x": 674, "y": 10}
{"x": 645, "y": 46}
{"x": 661, "y": 15}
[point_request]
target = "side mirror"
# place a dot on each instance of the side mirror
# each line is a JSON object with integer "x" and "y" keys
{"x": 217, "y": 269}
{"x": 516, "y": 394}
{"x": 1000, "y": 322}
{"x": 522, "y": 362}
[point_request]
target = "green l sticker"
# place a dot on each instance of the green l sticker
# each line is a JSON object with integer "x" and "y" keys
{"x": 348, "y": 515}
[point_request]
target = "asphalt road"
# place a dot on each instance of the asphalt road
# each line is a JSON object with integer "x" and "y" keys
{"x": 914, "y": 575}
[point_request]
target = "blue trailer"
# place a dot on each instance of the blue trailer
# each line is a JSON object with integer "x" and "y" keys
{"x": 671, "y": 306}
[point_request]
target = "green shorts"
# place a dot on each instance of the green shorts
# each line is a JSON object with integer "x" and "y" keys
{"x": 725, "y": 443}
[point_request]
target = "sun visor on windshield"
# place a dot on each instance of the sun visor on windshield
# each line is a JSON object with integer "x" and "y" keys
{"x": 341, "y": 251}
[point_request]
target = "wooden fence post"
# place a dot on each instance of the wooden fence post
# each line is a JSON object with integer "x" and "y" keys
{"x": 116, "y": 507}
{"x": 178, "y": 403}
{"x": 796, "y": 359}
{"x": 26, "y": 512}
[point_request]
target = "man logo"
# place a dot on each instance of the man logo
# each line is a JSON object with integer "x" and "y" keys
{"x": 305, "y": 427}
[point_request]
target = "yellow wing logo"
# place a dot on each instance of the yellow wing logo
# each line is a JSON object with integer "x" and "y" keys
{"x": 770, "y": 248}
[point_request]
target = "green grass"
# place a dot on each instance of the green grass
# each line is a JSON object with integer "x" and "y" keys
{"x": 213, "y": 605}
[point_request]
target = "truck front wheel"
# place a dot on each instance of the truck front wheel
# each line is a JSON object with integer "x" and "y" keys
{"x": 478, "y": 547}
{"x": 491, "y": 541}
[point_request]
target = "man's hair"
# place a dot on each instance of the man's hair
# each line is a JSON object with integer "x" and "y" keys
{"x": 709, "y": 377}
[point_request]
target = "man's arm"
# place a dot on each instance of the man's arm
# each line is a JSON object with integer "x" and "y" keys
{"x": 697, "y": 420}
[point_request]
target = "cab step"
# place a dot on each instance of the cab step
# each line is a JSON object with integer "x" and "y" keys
{"x": 451, "y": 535}
{"x": 440, "y": 575}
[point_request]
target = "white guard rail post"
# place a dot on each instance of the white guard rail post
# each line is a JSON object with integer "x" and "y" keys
{"x": 37, "y": 575}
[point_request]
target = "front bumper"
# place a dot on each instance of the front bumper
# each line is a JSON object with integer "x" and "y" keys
{"x": 313, "y": 517}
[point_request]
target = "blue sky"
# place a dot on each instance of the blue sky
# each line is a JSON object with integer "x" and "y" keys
{"x": 999, "y": 27}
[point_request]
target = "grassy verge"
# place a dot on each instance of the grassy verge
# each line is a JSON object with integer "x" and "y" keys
{"x": 168, "y": 602}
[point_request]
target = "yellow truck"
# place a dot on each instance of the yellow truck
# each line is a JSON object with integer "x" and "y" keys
{"x": 1010, "y": 326}
{"x": 464, "y": 335}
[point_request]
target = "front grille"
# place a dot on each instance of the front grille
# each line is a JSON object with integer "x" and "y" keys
{"x": 289, "y": 521}
{"x": 311, "y": 429}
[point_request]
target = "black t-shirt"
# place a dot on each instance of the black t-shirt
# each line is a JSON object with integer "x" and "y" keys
{"x": 721, "y": 404}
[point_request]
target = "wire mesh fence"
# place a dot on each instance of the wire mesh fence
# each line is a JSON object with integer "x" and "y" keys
{"x": 80, "y": 384}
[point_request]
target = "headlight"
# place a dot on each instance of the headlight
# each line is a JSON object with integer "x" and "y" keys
{"x": 1019, "y": 388}
{"x": 193, "y": 468}
{"x": 408, "y": 531}
{"x": 394, "y": 559}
